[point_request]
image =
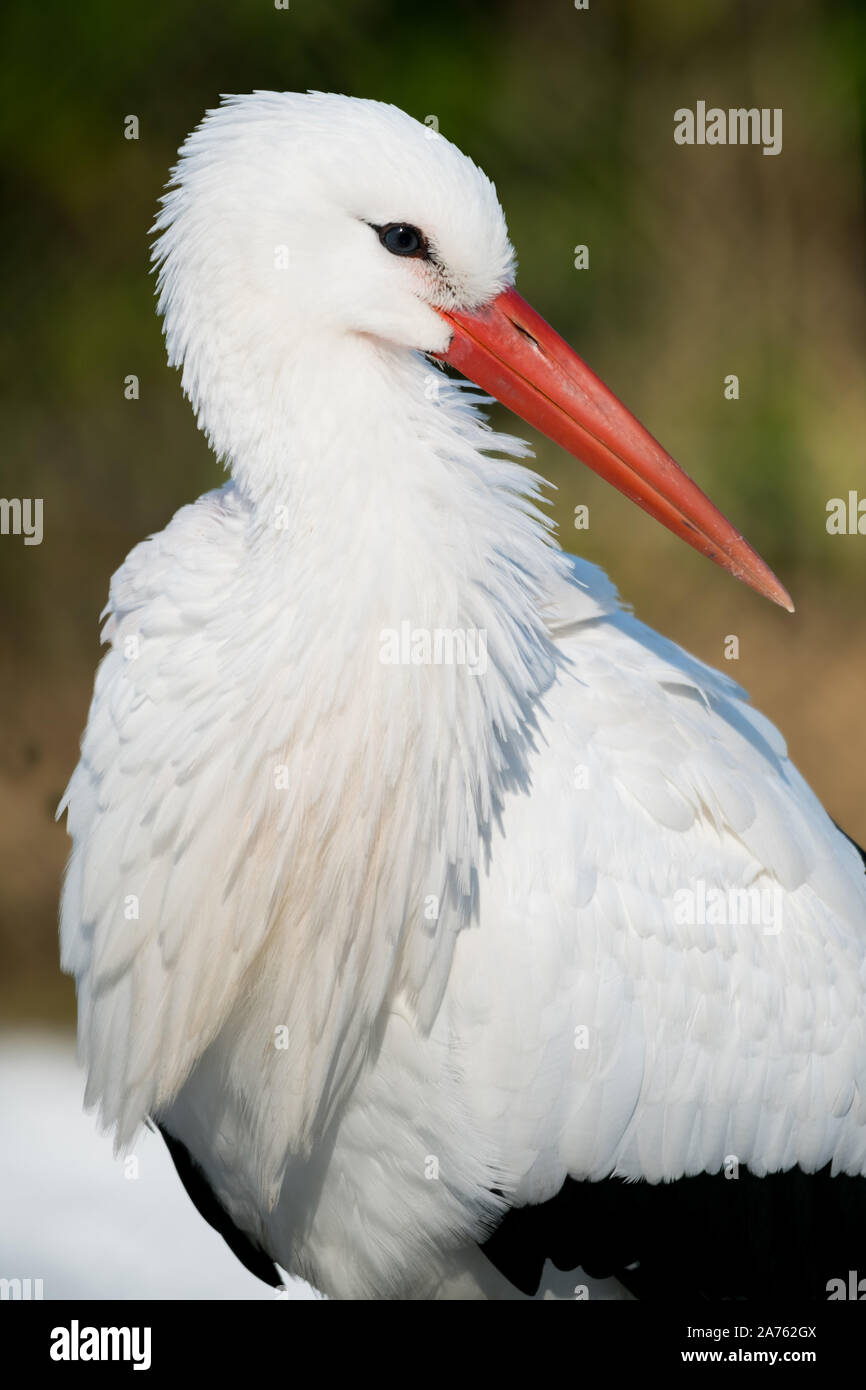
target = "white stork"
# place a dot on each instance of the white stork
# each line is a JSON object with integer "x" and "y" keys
{"x": 414, "y": 958}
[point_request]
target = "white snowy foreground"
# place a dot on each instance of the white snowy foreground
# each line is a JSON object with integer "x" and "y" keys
{"x": 68, "y": 1214}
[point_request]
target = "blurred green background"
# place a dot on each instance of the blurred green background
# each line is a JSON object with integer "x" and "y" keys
{"x": 703, "y": 262}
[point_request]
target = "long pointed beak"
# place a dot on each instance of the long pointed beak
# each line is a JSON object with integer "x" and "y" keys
{"x": 513, "y": 354}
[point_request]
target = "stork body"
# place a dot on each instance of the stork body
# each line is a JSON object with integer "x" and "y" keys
{"x": 391, "y": 948}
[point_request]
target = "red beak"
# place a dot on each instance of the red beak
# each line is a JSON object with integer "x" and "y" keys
{"x": 513, "y": 354}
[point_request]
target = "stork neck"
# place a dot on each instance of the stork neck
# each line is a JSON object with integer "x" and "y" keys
{"x": 369, "y": 473}
{"x": 378, "y": 528}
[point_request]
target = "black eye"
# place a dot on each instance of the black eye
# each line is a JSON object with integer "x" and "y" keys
{"x": 403, "y": 240}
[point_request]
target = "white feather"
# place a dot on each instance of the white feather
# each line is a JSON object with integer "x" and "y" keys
{"x": 264, "y": 811}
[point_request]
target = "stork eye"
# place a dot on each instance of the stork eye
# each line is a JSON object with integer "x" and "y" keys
{"x": 401, "y": 239}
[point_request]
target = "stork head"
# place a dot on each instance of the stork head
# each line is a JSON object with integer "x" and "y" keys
{"x": 325, "y": 215}
{"x": 309, "y": 219}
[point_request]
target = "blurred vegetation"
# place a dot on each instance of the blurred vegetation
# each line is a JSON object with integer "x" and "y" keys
{"x": 703, "y": 262}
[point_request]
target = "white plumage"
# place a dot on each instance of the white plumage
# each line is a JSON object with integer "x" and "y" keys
{"x": 391, "y": 948}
